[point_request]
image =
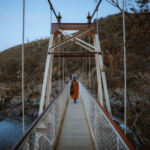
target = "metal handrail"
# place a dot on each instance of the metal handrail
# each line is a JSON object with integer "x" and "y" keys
{"x": 105, "y": 133}
{"x": 44, "y": 131}
{"x": 42, "y": 123}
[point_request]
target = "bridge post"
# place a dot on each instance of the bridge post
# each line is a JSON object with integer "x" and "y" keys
{"x": 100, "y": 60}
{"x": 49, "y": 81}
{"x": 100, "y": 93}
{"x": 46, "y": 76}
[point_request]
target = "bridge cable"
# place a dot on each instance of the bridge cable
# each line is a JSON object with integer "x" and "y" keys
{"x": 63, "y": 69}
{"x": 59, "y": 65}
{"x": 83, "y": 68}
{"x": 23, "y": 118}
{"x": 125, "y": 82}
{"x": 86, "y": 70}
{"x": 86, "y": 66}
{"x": 97, "y": 54}
{"x": 51, "y": 7}
{"x": 96, "y": 8}
{"x": 89, "y": 67}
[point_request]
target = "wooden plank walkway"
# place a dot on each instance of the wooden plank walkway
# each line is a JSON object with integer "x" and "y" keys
{"x": 75, "y": 133}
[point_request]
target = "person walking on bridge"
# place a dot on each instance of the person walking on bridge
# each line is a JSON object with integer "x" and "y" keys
{"x": 74, "y": 89}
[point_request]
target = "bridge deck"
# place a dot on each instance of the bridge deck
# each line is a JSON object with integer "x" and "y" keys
{"x": 75, "y": 133}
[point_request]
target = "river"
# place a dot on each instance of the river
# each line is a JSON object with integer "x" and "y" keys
{"x": 11, "y": 129}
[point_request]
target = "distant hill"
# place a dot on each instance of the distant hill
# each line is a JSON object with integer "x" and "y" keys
{"x": 110, "y": 35}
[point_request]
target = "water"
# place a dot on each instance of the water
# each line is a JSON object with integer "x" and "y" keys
{"x": 11, "y": 129}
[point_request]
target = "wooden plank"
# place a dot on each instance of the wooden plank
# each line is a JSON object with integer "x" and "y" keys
{"x": 75, "y": 133}
{"x": 75, "y": 148}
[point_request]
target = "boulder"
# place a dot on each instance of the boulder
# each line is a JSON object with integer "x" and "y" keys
{"x": 15, "y": 112}
{"x": 30, "y": 113}
{"x": 18, "y": 72}
{"x": 132, "y": 105}
{"x": 119, "y": 91}
{"x": 29, "y": 91}
{"x": 8, "y": 110}
{"x": 39, "y": 88}
{"x": 35, "y": 115}
{"x": 1, "y": 119}
{"x": 118, "y": 103}
{"x": 93, "y": 71}
{"x": 54, "y": 70}
{"x": 15, "y": 100}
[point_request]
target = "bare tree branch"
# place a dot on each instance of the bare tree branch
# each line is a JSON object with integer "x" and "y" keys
{"x": 116, "y": 4}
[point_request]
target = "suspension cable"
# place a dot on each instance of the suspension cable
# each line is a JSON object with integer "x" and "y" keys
{"x": 23, "y": 119}
{"x": 59, "y": 65}
{"x": 125, "y": 82}
{"x": 85, "y": 70}
{"x": 65, "y": 65}
{"x": 97, "y": 55}
{"x": 96, "y": 8}
{"x": 51, "y": 7}
{"x": 89, "y": 67}
{"x": 63, "y": 69}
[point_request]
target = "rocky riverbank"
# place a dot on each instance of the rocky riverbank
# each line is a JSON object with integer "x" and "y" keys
{"x": 11, "y": 106}
{"x": 14, "y": 110}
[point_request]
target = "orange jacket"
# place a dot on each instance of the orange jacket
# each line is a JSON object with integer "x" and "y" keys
{"x": 75, "y": 90}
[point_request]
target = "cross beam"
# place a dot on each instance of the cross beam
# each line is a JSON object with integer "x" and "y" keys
{"x": 58, "y": 49}
{"x": 71, "y": 54}
{"x": 74, "y": 56}
{"x": 76, "y": 52}
{"x": 80, "y": 44}
{"x": 71, "y": 38}
{"x": 79, "y": 40}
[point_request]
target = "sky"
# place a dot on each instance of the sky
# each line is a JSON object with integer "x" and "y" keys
{"x": 37, "y": 17}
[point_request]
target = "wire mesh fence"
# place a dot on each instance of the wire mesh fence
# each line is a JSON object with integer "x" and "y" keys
{"x": 43, "y": 133}
{"x": 105, "y": 135}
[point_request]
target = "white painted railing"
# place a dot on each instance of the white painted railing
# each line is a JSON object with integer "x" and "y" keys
{"x": 44, "y": 131}
{"x": 105, "y": 133}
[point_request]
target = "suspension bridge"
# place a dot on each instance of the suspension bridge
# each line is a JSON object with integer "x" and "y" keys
{"x": 63, "y": 125}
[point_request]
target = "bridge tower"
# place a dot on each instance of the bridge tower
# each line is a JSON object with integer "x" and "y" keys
{"x": 53, "y": 51}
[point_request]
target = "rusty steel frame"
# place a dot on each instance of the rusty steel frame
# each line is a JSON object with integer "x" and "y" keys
{"x": 72, "y": 26}
{"x": 76, "y": 52}
{"x": 74, "y": 56}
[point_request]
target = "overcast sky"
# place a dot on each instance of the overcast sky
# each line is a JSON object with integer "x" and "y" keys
{"x": 37, "y": 17}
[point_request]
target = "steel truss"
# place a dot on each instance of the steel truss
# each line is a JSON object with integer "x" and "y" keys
{"x": 96, "y": 50}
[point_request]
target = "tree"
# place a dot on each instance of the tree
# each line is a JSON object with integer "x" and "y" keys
{"x": 138, "y": 7}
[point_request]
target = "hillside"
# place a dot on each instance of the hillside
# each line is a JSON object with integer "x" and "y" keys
{"x": 111, "y": 39}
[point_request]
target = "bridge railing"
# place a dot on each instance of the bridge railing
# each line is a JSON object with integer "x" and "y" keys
{"x": 105, "y": 133}
{"x": 44, "y": 131}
